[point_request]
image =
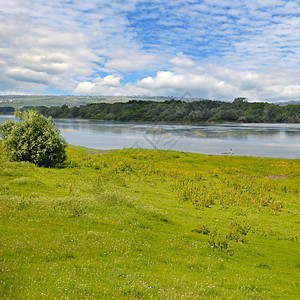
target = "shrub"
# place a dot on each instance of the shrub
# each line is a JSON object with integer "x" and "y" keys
{"x": 33, "y": 138}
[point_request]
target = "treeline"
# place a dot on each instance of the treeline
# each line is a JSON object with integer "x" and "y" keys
{"x": 7, "y": 110}
{"x": 179, "y": 111}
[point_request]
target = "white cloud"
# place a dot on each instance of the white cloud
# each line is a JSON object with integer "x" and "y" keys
{"x": 84, "y": 88}
{"x": 126, "y": 60}
{"x": 225, "y": 48}
{"x": 54, "y": 44}
{"x": 207, "y": 81}
{"x": 43, "y": 56}
{"x": 182, "y": 61}
{"x": 109, "y": 85}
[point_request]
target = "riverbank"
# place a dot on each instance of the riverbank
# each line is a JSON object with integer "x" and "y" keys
{"x": 140, "y": 223}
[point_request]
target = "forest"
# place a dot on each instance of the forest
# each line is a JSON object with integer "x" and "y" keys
{"x": 240, "y": 110}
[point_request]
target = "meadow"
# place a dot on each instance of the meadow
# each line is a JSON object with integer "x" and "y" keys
{"x": 137, "y": 223}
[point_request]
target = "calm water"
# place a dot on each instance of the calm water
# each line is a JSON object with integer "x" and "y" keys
{"x": 269, "y": 140}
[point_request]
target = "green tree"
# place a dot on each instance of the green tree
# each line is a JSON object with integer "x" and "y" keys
{"x": 240, "y": 100}
{"x": 33, "y": 138}
{"x": 271, "y": 112}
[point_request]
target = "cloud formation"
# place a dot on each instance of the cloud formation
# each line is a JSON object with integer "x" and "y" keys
{"x": 211, "y": 48}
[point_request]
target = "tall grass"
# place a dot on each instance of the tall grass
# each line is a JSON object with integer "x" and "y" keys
{"x": 150, "y": 224}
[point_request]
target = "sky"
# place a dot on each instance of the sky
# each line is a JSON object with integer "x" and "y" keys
{"x": 216, "y": 49}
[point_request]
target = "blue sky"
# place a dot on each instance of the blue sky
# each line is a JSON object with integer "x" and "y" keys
{"x": 213, "y": 49}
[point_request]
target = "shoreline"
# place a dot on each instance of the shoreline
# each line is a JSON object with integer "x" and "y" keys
{"x": 96, "y": 151}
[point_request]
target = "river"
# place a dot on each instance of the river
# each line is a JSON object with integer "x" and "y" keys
{"x": 262, "y": 140}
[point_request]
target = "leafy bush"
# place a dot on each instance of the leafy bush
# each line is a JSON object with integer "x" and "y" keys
{"x": 33, "y": 138}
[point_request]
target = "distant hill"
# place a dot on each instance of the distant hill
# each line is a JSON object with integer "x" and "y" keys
{"x": 20, "y": 101}
{"x": 284, "y": 103}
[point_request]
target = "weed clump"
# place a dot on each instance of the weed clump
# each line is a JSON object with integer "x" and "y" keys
{"x": 238, "y": 230}
{"x": 124, "y": 168}
{"x": 76, "y": 208}
{"x": 23, "y": 203}
{"x": 188, "y": 190}
{"x": 203, "y": 229}
{"x": 218, "y": 243}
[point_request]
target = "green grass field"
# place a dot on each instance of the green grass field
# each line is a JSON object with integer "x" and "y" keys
{"x": 150, "y": 224}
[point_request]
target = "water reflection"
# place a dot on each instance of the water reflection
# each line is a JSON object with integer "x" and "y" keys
{"x": 204, "y": 131}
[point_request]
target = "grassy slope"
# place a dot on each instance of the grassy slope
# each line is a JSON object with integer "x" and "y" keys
{"x": 121, "y": 225}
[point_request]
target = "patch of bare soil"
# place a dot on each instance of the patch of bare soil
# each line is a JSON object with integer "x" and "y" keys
{"x": 275, "y": 176}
